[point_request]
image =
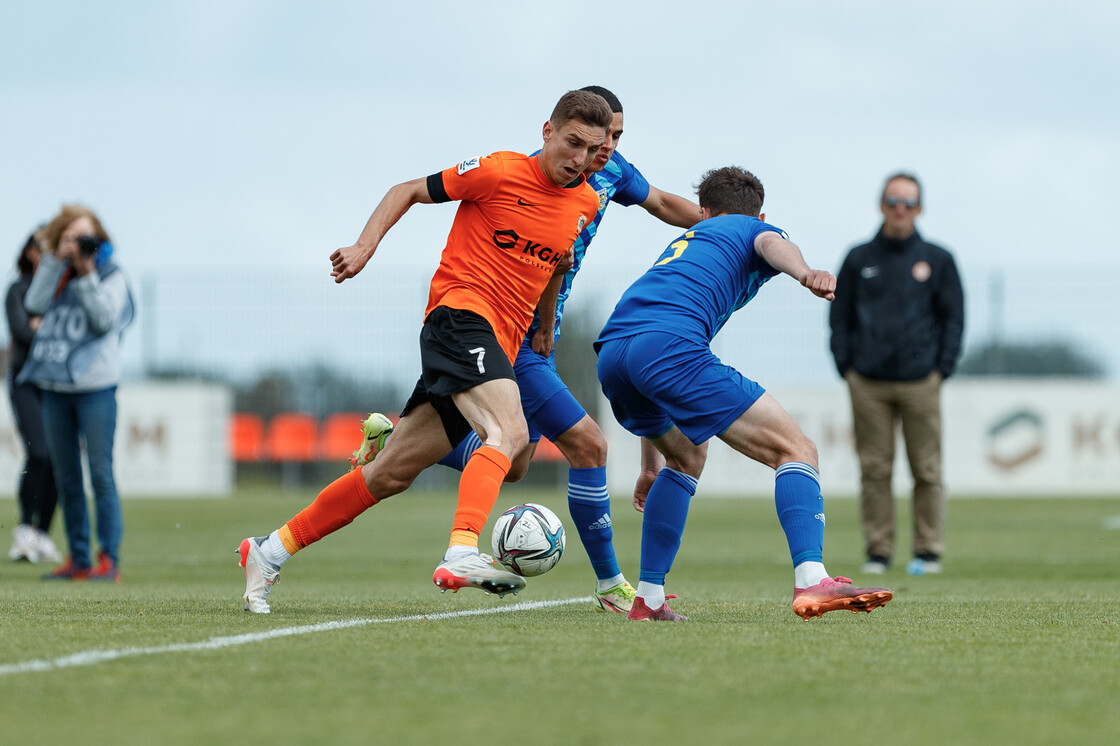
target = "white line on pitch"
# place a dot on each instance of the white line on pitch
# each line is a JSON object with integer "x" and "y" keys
{"x": 92, "y": 657}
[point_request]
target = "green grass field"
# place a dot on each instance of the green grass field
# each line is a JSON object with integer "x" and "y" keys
{"x": 1018, "y": 642}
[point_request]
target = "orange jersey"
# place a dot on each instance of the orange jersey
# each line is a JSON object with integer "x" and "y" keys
{"x": 512, "y": 227}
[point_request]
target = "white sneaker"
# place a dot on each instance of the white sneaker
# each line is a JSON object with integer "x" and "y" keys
{"x": 476, "y": 571}
{"x": 919, "y": 566}
{"x": 24, "y": 546}
{"x": 48, "y": 552}
{"x": 260, "y": 575}
{"x": 874, "y": 567}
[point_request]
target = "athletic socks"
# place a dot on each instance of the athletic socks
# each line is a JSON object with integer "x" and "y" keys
{"x": 652, "y": 593}
{"x": 666, "y": 510}
{"x": 478, "y": 491}
{"x": 797, "y": 497}
{"x": 337, "y": 505}
{"x": 461, "y": 453}
{"x": 456, "y": 551}
{"x": 590, "y": 507}
{"x": 274, "y": 551}
{"x": 808, "y": 574}
{"x": 605, "y": 584}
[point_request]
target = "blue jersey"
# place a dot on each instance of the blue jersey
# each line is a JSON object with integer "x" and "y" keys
{"x": 702, "y": 278}
{"x": 620, "y": 182}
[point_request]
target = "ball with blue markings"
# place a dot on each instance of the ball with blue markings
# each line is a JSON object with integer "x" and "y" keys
{"x": 528, "y": 539}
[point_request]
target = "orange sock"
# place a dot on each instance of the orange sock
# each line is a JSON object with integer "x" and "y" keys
{"x": 478, "y": 490}
{"x": 337, "y": 505}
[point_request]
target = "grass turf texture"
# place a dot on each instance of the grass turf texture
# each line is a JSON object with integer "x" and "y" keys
{"x": 1018, "y": 642}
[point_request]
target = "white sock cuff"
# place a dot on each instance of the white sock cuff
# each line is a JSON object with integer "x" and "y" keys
{"x": 653, "y": 595}
{"x": 798, "y": 467}
{"x": 274, "y": 550}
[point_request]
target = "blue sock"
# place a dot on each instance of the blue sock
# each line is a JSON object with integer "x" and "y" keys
{"x": 461, "y": 453}
{"x": 797, "y": 496}
{"x": 663, "y": 523}
{"x": 590, "y": 506}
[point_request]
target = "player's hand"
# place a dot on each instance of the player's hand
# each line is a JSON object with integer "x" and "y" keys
{"x": 83, "y": 264}
{"x": 820, "y": 283}
{"x": 567, "y": 261}
{"x": 348, "y": 261}
{"x": 641, "y": 490}
{"x": 542, "y": 342}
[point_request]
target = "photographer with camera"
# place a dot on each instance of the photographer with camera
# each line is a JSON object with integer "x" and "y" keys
{"x": 84, "y": 299}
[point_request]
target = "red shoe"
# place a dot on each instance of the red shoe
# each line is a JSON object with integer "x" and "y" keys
{"x": 833, "y": 594}
{"x": 68, "y": 571}
{"x": 105, "y": 570}
{"x": 639, "y": 612}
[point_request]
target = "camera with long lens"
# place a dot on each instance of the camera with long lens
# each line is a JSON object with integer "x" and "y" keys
{"x": 88, "y": 245}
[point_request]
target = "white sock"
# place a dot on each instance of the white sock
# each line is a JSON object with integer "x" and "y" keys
{"x": 808, "y": 574}
{"x": 274, "y": 551}
{"x": 653, "y": 595}
{"x": 611, "y": 582}
{"x": 457, "y": 551}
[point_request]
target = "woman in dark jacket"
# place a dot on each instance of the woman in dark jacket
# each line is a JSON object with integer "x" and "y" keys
{"x": 31, "y": 539}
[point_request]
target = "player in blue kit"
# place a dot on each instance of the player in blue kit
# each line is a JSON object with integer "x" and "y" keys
{"x": 657, "y": 369}
{"x": 549, "y": 406}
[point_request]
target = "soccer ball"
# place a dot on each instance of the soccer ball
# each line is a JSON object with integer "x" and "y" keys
{"x": 528, "y": 539}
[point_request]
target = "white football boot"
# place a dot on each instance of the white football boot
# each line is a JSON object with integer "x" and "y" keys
{"x": 260, "y": 575}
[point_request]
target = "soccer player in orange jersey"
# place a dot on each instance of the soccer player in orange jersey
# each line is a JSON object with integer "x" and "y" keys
{"x": 518, "y": 216}
{"x": 549, "y": 406}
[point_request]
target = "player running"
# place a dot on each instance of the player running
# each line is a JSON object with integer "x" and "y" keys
{"x": 549, "y": 406}
{"x": 518, "y": 216}
{"x": 657, "y": 369}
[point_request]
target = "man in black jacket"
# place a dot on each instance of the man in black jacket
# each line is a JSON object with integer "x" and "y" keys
{"x": 896, "y": 325}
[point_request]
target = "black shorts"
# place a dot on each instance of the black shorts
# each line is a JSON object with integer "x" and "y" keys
{"x": 458, "y": 351}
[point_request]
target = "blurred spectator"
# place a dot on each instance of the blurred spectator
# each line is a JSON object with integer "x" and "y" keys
{"x": 86, "y": 305}
{"x": 897, "y": 323}
{"x": 31, "y": 539}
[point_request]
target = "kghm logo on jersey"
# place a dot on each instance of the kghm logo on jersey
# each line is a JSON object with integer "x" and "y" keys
{"x": 469, "y": 164}
{"x": 580, "y": 223}
{"x": 531, "y": 251}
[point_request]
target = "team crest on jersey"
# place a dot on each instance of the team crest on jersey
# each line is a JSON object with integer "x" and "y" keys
{"x": 469, "y": 164}
{"x": 921, "y": 271}
{"x": 603, "y": 197}
{"x": 579, "y": 225}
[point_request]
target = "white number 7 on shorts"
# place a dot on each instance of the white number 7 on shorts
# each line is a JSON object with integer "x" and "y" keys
{"x": 481, "y": 352}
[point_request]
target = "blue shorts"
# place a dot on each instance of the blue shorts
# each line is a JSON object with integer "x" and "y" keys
{"x": 656, "y": 380}
{"x": 550, "y": 409}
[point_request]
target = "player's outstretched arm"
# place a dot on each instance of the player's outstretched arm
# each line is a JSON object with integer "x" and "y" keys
{"x": 671, "y": 208}
{"x": 349, "y": 261}
{"x": 784, "y": 256}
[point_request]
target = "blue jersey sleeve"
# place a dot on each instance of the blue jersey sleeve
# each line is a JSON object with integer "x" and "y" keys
{"x": 631, "y": 188}
{"x": 704, "y": 276}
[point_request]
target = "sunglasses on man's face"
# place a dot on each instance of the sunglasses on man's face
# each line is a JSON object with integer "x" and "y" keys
{"x": 908, "y": 203}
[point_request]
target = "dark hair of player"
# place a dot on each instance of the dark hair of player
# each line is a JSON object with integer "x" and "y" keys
{"x": 610, "y": 98}
{"x": 731, "y": 190}
{"x": 587, "y": 107}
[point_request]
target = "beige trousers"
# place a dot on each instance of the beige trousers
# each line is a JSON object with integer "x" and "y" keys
{"x": 877, "y": 409}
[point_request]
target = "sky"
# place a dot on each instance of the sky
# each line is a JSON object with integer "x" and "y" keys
{"x": 237, "y": 138}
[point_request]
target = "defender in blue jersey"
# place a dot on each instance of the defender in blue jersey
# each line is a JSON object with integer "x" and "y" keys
{"x": 664, "y": 384}
{"x": 549, "y": 406}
